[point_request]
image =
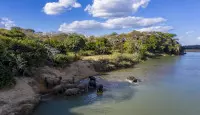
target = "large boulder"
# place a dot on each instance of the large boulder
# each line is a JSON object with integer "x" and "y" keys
{"x": 25, "y": 109}
{"x": 71, "y": 92}
{"x": 133, "y": 79}
{"x": 19, "y": 100}
{"x": 52, "y": 82}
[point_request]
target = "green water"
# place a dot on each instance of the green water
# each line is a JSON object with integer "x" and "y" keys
{"x": 171, "y": 86}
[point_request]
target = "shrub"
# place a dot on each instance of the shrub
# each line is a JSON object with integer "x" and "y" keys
{"x": 6, "y": 64}
{"x": 87, "y": 53}
{"x": 117, "y": 57}
{"x": 6, "y": 77}
{"x": 61, "y": 59}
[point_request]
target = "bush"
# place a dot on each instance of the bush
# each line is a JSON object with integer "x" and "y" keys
{"x": 117, "y": 57}
{"x": 61, "y": 59}
{"x": 6, "y": 64}
{"x": 87, "y": 53}
{"x": 23, "y": 54}
{"x": 6, "y": 77}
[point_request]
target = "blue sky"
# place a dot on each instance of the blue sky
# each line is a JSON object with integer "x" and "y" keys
{"x": 105, "y": 16}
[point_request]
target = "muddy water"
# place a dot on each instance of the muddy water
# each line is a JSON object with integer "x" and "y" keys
{"x": 170, "y": 86}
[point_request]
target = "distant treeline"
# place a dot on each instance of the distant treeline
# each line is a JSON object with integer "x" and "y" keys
{"x": 192, "y": 47}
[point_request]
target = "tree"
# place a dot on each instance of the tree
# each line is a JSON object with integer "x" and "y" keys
{"x": 75, "y": 42}
{"x": 103, "y": 46}
{"x": 130, "y": 46}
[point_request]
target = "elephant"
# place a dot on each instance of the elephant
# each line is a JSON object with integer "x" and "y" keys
{"x": 71, "y": 92}
{"x": 92, "y": 78}
{"x": 69, "y": 86}
{"x": 92, "y": 84}
{"x": 59, "y": 89}
{"x": 100, "y": 88}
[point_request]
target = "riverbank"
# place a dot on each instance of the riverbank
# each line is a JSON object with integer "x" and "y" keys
{"x": 26, "y": 94}
{"x": 22, "y": 99}
{"x": 170, "y": 86}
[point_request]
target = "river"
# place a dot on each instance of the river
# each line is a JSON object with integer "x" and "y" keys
{"x": 170, "y": 86}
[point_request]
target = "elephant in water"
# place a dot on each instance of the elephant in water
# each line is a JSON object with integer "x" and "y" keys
{"x": 92, "y": 83}
{"x": 100, "y": 89}
{"x": 71, "y": 92}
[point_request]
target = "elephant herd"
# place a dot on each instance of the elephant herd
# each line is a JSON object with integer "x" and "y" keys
{"x": 59, "y": 86}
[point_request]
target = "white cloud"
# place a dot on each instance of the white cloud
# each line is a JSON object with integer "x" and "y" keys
{"x": 198, "y": 38}
{"x": 115, "y": 8}
{"x": 189, "y": 32}
{"x": 6, "y": 23}
{"x": 79, "y": 26}
{"x": 128, "y": 22}
{"x": 112, "y": 24}
{"x": 53, "y": 8}
{"x": 157, "y": 29}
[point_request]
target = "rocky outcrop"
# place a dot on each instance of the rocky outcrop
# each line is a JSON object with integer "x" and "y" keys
{"x": 22, "y": 99}
{"x": 133, "y": 79}
{"x": 19, "y": 100}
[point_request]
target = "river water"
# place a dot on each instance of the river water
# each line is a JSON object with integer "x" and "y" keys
{"x": 170, "y": 86}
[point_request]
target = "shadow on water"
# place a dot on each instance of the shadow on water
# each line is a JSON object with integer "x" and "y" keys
{"x": 116, "y": 92}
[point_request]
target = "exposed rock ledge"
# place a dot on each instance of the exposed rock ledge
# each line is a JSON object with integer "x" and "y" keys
{"x": 22, "y": 99}
{"x": 19, "y": 100}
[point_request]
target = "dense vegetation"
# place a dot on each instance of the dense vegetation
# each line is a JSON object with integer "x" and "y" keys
{"x": 22, "y": 49}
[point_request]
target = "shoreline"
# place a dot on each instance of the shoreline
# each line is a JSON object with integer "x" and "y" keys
{"x": 25, "y": 106}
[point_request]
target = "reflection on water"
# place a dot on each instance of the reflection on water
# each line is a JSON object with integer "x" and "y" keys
{"x": 171, "y": 86}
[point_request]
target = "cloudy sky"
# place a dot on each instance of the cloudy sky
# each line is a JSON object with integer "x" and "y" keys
{"x": 97, "y": 17}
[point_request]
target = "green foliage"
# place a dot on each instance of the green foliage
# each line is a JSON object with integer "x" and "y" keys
{"x": 61, "y": 59}
{"x": 14, "y": 33}
{"x": 17, "y": 56}
{"x": 21, "y": 49}
{"x": 75, "y": 42}
{"x": 152, "y": 43}
{"x": 90, "y": 45}
{"x": 102, "y": 46}
{"x": 130, "y": 46}
{"x": 6, "y": 62}
{"x": 87, "y": 53}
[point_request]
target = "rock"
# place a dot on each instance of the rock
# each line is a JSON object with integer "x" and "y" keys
{"x": 132, "y": 79}
{"x": 58, "y": 89}
{"x": 67, "y": 81}
{"x": 25, "y": 109}
{"x": 52, "y": 82}
{"x": 2, "y": 103}
{"x": 69, "y": 86}
{"x": 71, "y": 92}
